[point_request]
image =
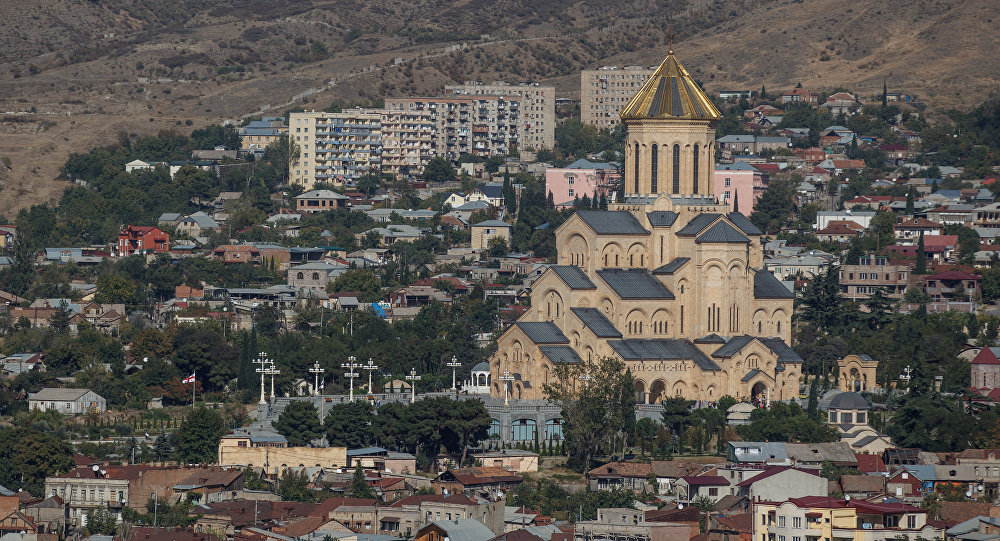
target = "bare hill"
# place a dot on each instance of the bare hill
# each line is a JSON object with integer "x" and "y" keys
{"x": 78, "y": 74}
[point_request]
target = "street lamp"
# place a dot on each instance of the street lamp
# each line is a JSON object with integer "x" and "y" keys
{"x": 505, "y": 378}
{"x": 370, "y": 367}
{"x": 350, "y": 365}
{"x": 316, "y": 371}
{"x": 272, "y": 371}
{"x": 454, "y": 364}
{"x": 413, "y": 386}
{"x": 262, "y": 361}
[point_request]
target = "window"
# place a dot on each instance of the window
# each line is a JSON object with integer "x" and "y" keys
{"x": 833, "y": 417}
{"x": 781, "y": 521}
{"x": 911, "y": 522}
{"x": 653, "y": 165}
{"x": 860, "y": 418}
{"x": 713, "y": 491}
{"x": 846, "y": 417}
{"x": 796, "y": 523}
{"x": 677, "y": 169}
{"x": 729, "y": 182}
{"x": 636, "y": 168}
{"x": 570, "y": 179}
{"x": 571, "y": 192}
{"x": 694, "y": 176}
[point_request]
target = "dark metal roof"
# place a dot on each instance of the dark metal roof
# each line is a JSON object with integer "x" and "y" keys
{"x": 635, "y": 284}
{"x": 710, "y": 339}
{"x": 661, "y": 218}
{"x": 766, "y": 286}
{"x": 672, "y": 267}
{"x": 733, "y": 346}
{"x": 698, "y": 224}
{"x": 849, "y": 401}
{"x": 597, "y": 322}
{"x": 722, "y": 232}
{"x": 664, "y": 348}
{"x": 542, "y": 332}
{"x": 750, "y": 375}
{"x": 785, "y": 353}
{"x": 574, "y": 277}
{"x": 744, "y": 223}
{"x": 617, "y": 222}
{"x": 560, "y": 354}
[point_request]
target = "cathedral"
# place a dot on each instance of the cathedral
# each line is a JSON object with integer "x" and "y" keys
{"x": 666, "y": 280}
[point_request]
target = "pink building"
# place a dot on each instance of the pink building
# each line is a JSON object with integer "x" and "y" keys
{"x": 578, "y": 179}
{"x": 739, "y": 181}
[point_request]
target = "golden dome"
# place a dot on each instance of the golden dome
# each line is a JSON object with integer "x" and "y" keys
{"x": 670, "y": 93}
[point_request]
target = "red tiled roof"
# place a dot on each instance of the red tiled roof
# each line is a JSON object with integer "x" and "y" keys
{"x": 918, "y": 222}
{"x": 622, "y": 469}
{"x": 870, "y": 463}
{"x": 841, "y": 227}
{"x": 953, "y": 275}
{"x": 705, "y": 480}
{"x": 771, "y": 472}
{"x": 739, "y": 523}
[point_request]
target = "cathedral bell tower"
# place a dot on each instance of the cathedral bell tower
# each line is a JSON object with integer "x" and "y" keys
{"x": 670, "y": 146}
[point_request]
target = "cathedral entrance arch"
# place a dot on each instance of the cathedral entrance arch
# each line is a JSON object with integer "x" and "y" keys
{"x": 758, "y": 394}
{"x": 656, "y": 392}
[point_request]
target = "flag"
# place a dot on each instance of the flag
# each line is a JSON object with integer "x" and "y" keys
{"x": 189, "y": 379}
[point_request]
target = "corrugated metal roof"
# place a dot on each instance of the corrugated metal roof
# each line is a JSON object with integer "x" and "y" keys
{"x": 635, "y": 284}
{"x": 722, "y": 233}
{"x": 698, "y": 224}
{"x": 574, "y": 277}
{"x": 464, "y": 529}
{"x": 710, "y": 339}
{"x": 672, "y": 267}
{"x": 785, "y": 353}
{"x": 733, "y": 346}
{"x": 612, "y": 222}
{"x": 542, "y": 332}
{"x": 597, "y": 322}
{"x": 661, "y": 218}
{"x": 560, "y": 354}
{"x": 750, "y": 375}
{"x": 663, "y": 348}
{"x": 744, "y": 223}
{"x": 766, "y": 286}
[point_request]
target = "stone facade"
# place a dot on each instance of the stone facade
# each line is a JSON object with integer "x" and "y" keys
{"x": 667, "y": 280}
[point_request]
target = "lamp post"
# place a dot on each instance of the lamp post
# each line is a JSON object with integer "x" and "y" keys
{"x": 413, "y": 386}
{"x": 272, "y": 371}
{"x": 454, "y": 364}
{"x": 316, "y": 371}
{"x": 505, "y": 378}
{"x": 370, "y": 367}
{"x": 350, "y": 365}
{"x": 262, "y": 361}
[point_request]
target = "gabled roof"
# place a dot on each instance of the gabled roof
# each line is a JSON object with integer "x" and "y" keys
{"x": 766, "y": 286}
{"x": 706, "y": 480}
{"x": 671, "y": 267}
{"x": 661, "y": 349}
{"x": 560, "y": 354}
{"x": 54, "y": 393}
{"x": 492, "y": 223}
{"x": 607, "y": 222}
{"x": 635, "y": 284}
{"x": 772, "y": 471}
{"x": 661, "y": 218}
{"x": 722, "y": 233}
{"x": 597, "y": 322}
{"x": 744, "y": 223}
{"x": 670, "y": 93}
{"x": 698, "y": 224}
{"x": 622, "y": 469}
{"x": 574, "y": 276}
{"x": 542, "y": 332}
{"x": 710, "y": 339}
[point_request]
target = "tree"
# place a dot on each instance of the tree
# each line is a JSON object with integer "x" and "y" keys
{"x": 299, "y": 423}
{"x": 509, "y": 195}
{"x": 885, "y": 95}
{"x": 595, "y": 412}
{"x": 162, "y": 448}
{"x": 115, "y": 289}
{"x": 774, "y": 207}
{"x": 497, "y": 247}
{"x": 363, "y": 280}
{"x": 27, "y": 457}
{"x": 60, "y": 319}
{"x": 921, "y": 267}
{"x": 198, "y": 437}
{"x": 786, "y": 422}
{"x": 910, "y": 195}
{"x": 645, "y": 432}
{"x": 360, "y": 487}
{"x": 350, "y": 425}
{"x": 282, "y": 154}
{"x": 369, "y": 183}
{"x": 439, "y": 169}
{"x": 294, "y": 487}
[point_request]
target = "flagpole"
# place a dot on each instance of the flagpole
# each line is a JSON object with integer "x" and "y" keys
{"x": 194, "y": 384}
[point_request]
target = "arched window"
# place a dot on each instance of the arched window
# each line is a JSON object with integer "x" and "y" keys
{"x": 653, "y": 157}
{"x": 637, "y": 168}
{"x": 694, "y": 175}
{"x": 677, "y": 169}
{"x": 300, "y": 276}
{"x": 315, "y": 276}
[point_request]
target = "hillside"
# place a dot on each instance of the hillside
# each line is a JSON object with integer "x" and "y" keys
{"x": 78, "y": 74}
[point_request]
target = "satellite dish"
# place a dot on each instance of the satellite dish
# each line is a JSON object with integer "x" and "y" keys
{"x": 145, "y": 359}
{"x": 680, "y": 506}
{"x": 96, "y": 468}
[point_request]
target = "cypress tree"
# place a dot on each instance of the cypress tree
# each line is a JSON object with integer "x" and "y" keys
{"x": 909, "y": 202}
{"x": 885, "y": 92}
{"x": 550, "y": 202}
{"x": 763, "y": 92}
{"x": 921, "y": 257}
{"x": 736, "y": 201}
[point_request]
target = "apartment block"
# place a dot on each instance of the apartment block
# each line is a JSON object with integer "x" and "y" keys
{"x": 335, "y": 148}
{"x": 479, "y": 125}
{"x": 407, "y": 143}
{"x": 605, "y": 91}
{"x": 538, "y": 114}
{"x": 871, "y": 273}
{"x": 816, "y": 518}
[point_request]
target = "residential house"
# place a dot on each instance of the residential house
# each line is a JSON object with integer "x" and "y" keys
{"x": 581, "y": 178}
{"x": 134, "y": 239}
{"x": 491, "y": 193}
{"x": 615, "y": 523}
{"x": 862, "y": 486}
{"x": 780, "y": 482}
{"x": 139, "y": 165}
{"x": 197, "y": 225}
{"x": 800, "y": 95}
{"x": 841, "y": 103}
{"x": 735, "y": 144}
{"x": 628, "y": 475}
{"x": 803, "y": 265}
{"x": 258, "y": 134}
{"x": 320, "y": 200}
{"x": 513, "y": 460}
{"x": 740, "y": 185}
{"x": 862, "y": 218}
{"x": 463, "y": 529}
{"x": 763, "y": 453}
{"x": 169, "y": 219}
{"x": 454, "y": 200}
{"x": 314, "y": 276}
{"x": 908, "y": 232}
{"x": 382, "y": 460}
{"x": 392, "y": 234}
{"x": 820, "y": 517}
{"x": 953, "y": 214}
{"x": 417, "y": 296}
{"x": 812, "y": 455}
{"x": 871, "y": 273}
{"x": 237, "y": 253}
{"x": 67, "y": 401}
{"x": 484, "y": 232}
{"x": 848, "y": 412}
{"x": 842, "y": 231}
{"x": 692, "y": 487}
{"x": 952, "y": 286}
{"x": 460, "y": 480}
{"x": 811, "y": 155}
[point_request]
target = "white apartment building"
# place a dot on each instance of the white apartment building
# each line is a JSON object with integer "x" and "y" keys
{"x": 538, "y": 114}
{"x": 479, "y": 125}
{"x": 605, "y": 91}
{"x": 335, "y": 148}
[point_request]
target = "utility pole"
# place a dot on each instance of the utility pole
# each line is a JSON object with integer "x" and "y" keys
{"x": 414, "y": 378}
